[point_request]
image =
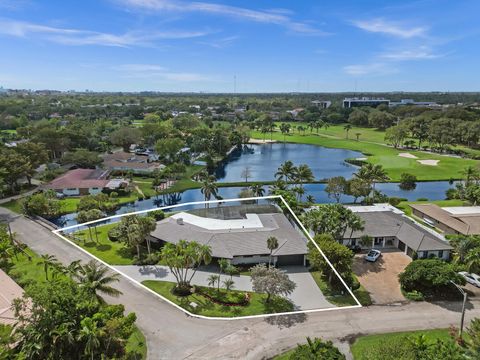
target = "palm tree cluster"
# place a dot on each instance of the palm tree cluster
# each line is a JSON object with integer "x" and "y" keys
{"x": 288, "y": 173}
{"x": 466, "y": 252}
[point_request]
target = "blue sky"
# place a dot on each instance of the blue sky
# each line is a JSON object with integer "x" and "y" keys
{"x": 270, "y": 46}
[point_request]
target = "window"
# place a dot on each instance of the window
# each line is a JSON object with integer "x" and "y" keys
{"x": 440, "y": 253}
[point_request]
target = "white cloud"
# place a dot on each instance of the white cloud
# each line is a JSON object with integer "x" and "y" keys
{"x": 391, "y": 28}
{"x": 275, "y": 16}
{"x": 369, "y": 69}
{"x": 68, "y": 36}
{"x": 421, "y": 53}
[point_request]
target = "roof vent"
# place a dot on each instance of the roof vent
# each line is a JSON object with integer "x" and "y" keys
{"x": 180, "y": 221}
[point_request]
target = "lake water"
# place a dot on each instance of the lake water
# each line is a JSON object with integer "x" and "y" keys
{"x": 263, "y": 161}
{"x": 433, "y": 190}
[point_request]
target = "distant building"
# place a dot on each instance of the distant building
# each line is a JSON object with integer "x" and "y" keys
{"x": 322, "y": 104}
{"x": 463, "y": 220}
{"x": 364, "y": 101}
{"x": 391, "y": 228}
{"x": 85, "y": 182}
{"x": 411, "y": 102}
{"x": 123, "y": 161}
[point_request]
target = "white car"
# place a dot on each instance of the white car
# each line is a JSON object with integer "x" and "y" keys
{"x": 373, "y": 255}
{"x": 473, "y": 279}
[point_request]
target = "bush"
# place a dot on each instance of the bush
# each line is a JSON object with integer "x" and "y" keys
{"x": 394, "y": 201}
{"x": 422, "y": 199}
{"x": 157, "y": 215}
{"x": 407, "y": 181}
{"x": 316, "y": 349}
{"x": 113, "y": 234}
{"x": 151, "y": 259}
{"x": 431, "y": 277}
{"x": 451, "y": 194}
{"x": 414, "y": 295}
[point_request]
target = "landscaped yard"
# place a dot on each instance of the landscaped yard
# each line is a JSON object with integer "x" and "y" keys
{"x": 112, "y": 252}
{"x": 25, "y": 271}
{"x": 384, "y": 346}
{"x": 205, "y": 307}
{"x": 336, "y": 297}
{"x": 372, "y": 145}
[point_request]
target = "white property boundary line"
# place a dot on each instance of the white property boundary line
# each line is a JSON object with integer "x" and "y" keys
{"x": 58, "y": 231}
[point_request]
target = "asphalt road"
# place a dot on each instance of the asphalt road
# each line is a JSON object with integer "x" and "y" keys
{"x": 173, "y": 335}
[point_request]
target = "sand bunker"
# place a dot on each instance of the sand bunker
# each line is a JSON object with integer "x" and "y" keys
{"x": 429, "y": 162}
{"x": 407, "y": 155}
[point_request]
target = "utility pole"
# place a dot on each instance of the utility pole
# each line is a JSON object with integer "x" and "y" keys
{"x": 463, "y": 292}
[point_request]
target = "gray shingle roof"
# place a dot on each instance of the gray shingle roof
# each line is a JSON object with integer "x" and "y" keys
{"x": 237, "y": 242}
{"x": 389, "y": 224}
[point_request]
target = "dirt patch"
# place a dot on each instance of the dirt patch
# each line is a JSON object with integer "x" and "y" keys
{"x": 408, "y": 155}
{"x": 381, "y": 277}
{"x": 429, "y": 162}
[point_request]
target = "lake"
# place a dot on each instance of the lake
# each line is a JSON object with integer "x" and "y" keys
{"x": 263, "y": 161}
{"x": 432, "y": 190}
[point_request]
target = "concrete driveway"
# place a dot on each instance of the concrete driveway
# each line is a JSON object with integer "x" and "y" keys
{"x": 381, "y": 277}
{"x": 306, "y": 296}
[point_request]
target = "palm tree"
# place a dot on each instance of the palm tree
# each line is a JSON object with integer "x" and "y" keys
{"x": 285, "y": 129}
{"x": 223, "y": 265}
{"x": 286, "y": 171}
{"x": 228, "y": 284}
{"x": 470, "y": 173}
{"x": 91, "y": 335}
{"x": 96, "y": 278}
{"x": 278, "y": 185}
{"x": 214, "y": 279}
{"x": 301, "y": 128}
{"x": 304, "y": 174}
{"x": 47, "y": 261}
{"x": 318, "y": 124}
{"x": 310, "y": 199}
{"x": 209, "y": 188}
{"x": 272, "y": 244}
{"x": 202, "y": 255}
{"x": 462, "y": 247}
{"x": 257, "y": 190}
{"x": 347, "y": 128}
{"x": 371, "y": 174}
{"x": 358, "y": 135}
{"x": 326, "y": 125}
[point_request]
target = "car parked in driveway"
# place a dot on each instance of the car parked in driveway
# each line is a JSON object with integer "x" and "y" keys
{"x": 473, "y": 279}
{"x": 373, "y": 255}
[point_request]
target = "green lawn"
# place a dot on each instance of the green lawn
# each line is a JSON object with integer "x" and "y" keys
{"x": 112, "y": 252}
{"x": 336, "y": 297}
{"x": 207, "y": 308}
{"x": 13, "y": 205}
{"x": 374, "y": 347}
{"x": 371, "y": 145}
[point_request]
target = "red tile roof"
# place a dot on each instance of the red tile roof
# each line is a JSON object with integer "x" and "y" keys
{"x": 80, "y": 178}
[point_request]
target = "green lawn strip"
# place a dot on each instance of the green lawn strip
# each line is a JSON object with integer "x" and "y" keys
{"x": 284, "y": 356}
{"x": 208, "y": 308}
{"x": 336, "y": 297}
{"x": 367, "y": 346}
{"x": 447, "y": 168}
{"x": 25, "y": 272}
{"x": 13, "y": 205}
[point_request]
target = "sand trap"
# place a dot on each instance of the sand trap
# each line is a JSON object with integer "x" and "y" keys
{"x": 361, "y": 159}
{"x": 259, "y": 141}
{"x": 407, "y": 155}
{"x": 429, "y": 162}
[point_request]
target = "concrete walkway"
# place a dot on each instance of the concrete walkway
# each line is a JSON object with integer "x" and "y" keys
{"x": 306, "y": 296}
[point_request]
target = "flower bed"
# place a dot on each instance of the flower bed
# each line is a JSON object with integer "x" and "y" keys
{"x": 244, "y": 302}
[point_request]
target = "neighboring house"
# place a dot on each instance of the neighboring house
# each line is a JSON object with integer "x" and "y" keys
{"x": 391, "y": 228}
{"x": 451, "y": 220}
{"x": 85, "y": 182}
{"x": 242, "y": 239}
{"x": 9, "y": 290}
{"x": 123, "y": 161}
